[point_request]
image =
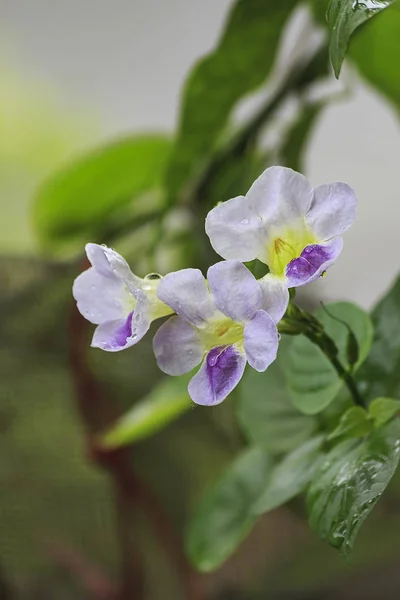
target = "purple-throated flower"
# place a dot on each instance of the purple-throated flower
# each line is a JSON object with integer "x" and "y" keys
{"x": 286, "y": 224}
{"x": 122, "y": 305}
{"x": 222, "y": 323}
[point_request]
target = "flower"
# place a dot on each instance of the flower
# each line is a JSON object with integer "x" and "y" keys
{"x": 109, "y": 295}
{"x": 223, "y": 324}
{"x": 286, "y": 224}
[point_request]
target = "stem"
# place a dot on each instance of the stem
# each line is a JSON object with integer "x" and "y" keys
{"x": 328, "y": 347}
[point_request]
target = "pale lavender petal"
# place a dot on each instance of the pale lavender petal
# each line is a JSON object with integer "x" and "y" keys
{"x": 98, "y": 259}
{"x": 333, "y": 210}
{"x": 101, "y": 298}
{"x": 111, "y": 264}
{"x": 280, "y": 195}
{"x": 113, "y": 336}
{"x": 177, "y": 347}
{"x": 275, "y": 296}
{"x": 187, "y": 294}
{"x": 235, "y": 229}
{"x": 236, "y": 292}
{"x": 313, "y": 261}
{"x": 219, "y": 374}
{"x": 261, "y": 341}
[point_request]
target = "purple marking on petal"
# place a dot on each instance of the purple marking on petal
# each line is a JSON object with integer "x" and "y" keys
{"x": 219, "y": 374}
{"x": 123, "y": 333}
{"x": 312, "y": 262}
{"x": 113, "y": 336}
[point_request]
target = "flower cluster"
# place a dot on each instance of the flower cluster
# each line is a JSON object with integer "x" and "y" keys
{"x": 230, "y": 318}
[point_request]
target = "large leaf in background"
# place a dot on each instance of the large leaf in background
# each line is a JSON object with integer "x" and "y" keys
{"x": 265, "y": 412}
{"x": 239, "y": 64}
{"x": 225, "y": 516}
{"x": 350, "y": 482}
{"x": 292, "y": 151}
{"x": 165, "y": 403}
{"x": 380, "y": 375}
{"x": 344, "y": 16}
{"x": 376, "y": 51}
{"x": 312, "y": 381}
{"x": 77, "y": 201}
{"x": 291, "y": 476}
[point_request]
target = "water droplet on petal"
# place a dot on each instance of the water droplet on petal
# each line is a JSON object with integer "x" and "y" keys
{"x": 138, "y": 316}
{"x": 244, "y": 222}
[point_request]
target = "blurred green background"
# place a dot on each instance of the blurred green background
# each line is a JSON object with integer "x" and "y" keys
{"x": 78, "y": 76}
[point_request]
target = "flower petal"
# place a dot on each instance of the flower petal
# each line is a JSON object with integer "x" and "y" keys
{"x": 313, "y": 261}
{"x": 109, "y": 263}
{"x": 236, "y": 292}
{"x": 235, "y": 230}
{"x": 113, "y": 336}
{"x": 187, "y": 294}
{"x": 333, "y": 210}
{"x": 101, "y": 298}
{"x": 177, "y": 347}
{"x": 261, "y": 341}
{"x": 280, "y": 195}
{"x": 219, "y": 374}
{"x": 275, "y": 296}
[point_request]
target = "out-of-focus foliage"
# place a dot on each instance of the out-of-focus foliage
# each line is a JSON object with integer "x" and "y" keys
{"x": 80, "y": 201}
{"x": 312, "y": 381}
{"x": 375, "y": 50}
{"x": 166, "y": 402}
{"x": 240, "y": 64}
{"x": 37, "y": 134}
{"x": 265, "y": 412}
{"x": 225, "y": 516}
{"x": 380, "y": 374}
{"x": 290, "y": 476}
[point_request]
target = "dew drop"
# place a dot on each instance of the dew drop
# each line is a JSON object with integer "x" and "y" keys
{"x": 138, "y": 316}
{"x": 134, "y": 336}
{"x": 153, "y": 276}
{"x": 244, "y": 222}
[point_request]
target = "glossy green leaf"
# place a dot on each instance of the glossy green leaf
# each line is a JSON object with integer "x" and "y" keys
{"x": 240, "y": 64}
{"x": 224, "y": 518}
{"x": 354, "y": 423}
{"x": 344, "y": 16}
{"x": 312, "y": 382}
{"x": 380, "y": 375}
{"x": 291, "y": 476}
{"x": 349, "y": 483}
{"x": 376, "y": 52}
{"x": 265, "y": 412}
{"x": 166, "y": 402}
{"x": 79, "y": 200}
{"x": 383, "y": 410}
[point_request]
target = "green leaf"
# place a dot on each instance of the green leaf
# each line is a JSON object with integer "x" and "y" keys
{"x": 354, "y": 423}
{"x": 376, "y": 52}
{"x": 265, "y": 412}
{"x": 380, "y": 375}
{"x": 312, "y": 382}
{"x": 165, "y": 403}
{"x": 79, "y": 200}
{"x": 344, "y": 16}
{"x": 240, "y": 64}
{"x": 349, "y": 483}
{"x": 224, "y": 518}
{"x": 291, "y": 476}
{"x": 383, "y": 410}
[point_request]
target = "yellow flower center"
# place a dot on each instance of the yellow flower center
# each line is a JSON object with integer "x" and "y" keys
{"x": 287, "y": 243}
{"x": 221, "y": 331}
